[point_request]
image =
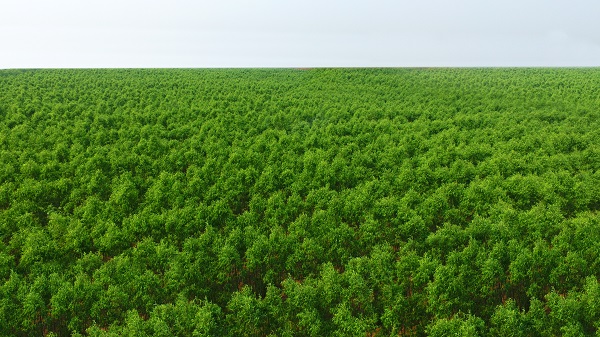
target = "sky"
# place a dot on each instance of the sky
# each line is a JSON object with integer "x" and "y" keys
{"x": 307, "y": 33}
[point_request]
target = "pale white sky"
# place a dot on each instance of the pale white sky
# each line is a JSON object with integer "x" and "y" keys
{"x": 308, "y": 33}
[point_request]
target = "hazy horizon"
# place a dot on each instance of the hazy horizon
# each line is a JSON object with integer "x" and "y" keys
{"x": 312, "y": 34}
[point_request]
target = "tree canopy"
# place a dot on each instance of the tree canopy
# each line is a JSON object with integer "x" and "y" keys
{"x": 284, "y": 202}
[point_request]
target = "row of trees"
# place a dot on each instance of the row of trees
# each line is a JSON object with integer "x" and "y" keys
{"x": 301, "y": 203}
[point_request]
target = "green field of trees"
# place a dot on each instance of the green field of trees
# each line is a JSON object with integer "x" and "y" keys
{"x": 288, "y": 202}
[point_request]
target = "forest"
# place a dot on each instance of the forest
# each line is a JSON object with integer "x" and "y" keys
{"x": 300, "y": 202}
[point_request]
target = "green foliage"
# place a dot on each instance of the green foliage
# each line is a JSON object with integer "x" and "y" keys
{"x": 284, "y": 202}
{"x": 460, "y": 325}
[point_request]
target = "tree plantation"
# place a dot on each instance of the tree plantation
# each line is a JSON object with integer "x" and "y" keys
{"x": 289, "y": 202}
